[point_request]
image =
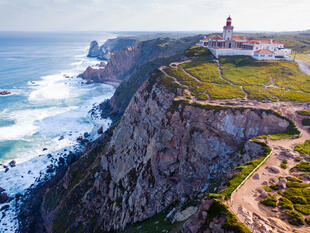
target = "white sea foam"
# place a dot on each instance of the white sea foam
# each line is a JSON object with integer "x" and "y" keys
{"x": 58, "y": 106}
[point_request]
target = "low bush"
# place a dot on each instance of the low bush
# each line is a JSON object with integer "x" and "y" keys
{"x": 298, "y": 195}
{"x": 302, "y": 167}
{"x": 306, "y": 122}
{"x": 274, "y": 187}
{"x": 283, "y": 165}
{"x": 305, "y": 209}
{"x": 307, "y": 220}
{"x": 285, "y": 203}
{"x": 295, "y": 218}
{"x": 298, "y": 159}
{"x": 293, "y": 179}
{"x": 304, "y": 112}
{"x": 293, "y": 184}
{"x": 270, "y": 201}
{"x": 303, "y": 148}
{"x": 267, "y": 189}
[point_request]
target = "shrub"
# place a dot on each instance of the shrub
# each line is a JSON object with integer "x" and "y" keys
{"x": 270, "y": 201}
{"x": 305, "y": 209}
{"x": 303, "y": 148}
{"x": 306, "y": 122}
{"x": 298, "y": 159}
{"x": 304, "y": 112}
{"x": 267, "y": 189}
{"x": 231, "y": 223}
{"x": 295, "y": 218}
{"x": 284, "y": 161}
{"x": 297, "y": 195}
{"x": 293, "y": 179}
{"x": 303, "y": 167}
{"x": 283, "y": 165}
{"x": 293, "y": 184}
{"x": 307, "y": 221}
{"x": 274, "y": 187}
{"x": 285, "y": 203}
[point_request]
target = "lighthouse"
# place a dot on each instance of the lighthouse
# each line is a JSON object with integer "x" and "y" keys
{"x": 228, "y": 30}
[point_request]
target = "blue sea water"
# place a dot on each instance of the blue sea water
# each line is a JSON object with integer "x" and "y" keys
{"x": 45, "y": 104}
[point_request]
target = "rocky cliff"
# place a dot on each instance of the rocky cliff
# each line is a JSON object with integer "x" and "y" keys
{"x": 160, "y": 153}
{"x": 123, "y": 63}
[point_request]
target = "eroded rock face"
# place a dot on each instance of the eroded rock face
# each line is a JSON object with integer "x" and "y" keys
{"x": 160, "y": 152}
{"x": 93, "y": 49}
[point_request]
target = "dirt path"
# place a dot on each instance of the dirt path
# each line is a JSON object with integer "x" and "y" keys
{"x": 245, "y": 201}
{"x": 303, "y": 66}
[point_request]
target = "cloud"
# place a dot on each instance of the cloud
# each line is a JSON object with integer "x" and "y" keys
{"x": 153, "y": 14}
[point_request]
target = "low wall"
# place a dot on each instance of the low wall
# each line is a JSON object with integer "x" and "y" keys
{"x": 231, "y": 52}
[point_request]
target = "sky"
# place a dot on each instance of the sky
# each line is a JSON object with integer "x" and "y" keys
{"x": 153, "y": 15}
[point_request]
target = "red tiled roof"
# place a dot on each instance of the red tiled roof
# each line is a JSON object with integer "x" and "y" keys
{"x": 264, "y": 51}
{"x": 239, "y": 38}
{"x": 217, "y": 38}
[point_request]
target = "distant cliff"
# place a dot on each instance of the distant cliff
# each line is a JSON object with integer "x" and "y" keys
{"x": 123, "y": 63}
{"x": 160, "y": 153}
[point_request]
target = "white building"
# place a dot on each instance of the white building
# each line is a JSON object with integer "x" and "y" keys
{"x": 228, "y": 45}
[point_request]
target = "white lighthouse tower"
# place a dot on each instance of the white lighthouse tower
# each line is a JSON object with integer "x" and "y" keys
{"x": 228, "y": 30}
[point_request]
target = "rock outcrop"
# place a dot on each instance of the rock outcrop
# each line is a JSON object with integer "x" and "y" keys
{"x": 123, "y": 63}
{"x": 159, "y": 152}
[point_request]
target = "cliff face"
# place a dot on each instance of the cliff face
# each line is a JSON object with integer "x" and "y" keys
{"x": 123, "y": 63}
{"x": 159, "y": 153}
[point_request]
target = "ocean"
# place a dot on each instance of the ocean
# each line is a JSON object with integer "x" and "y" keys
{"x": 48, "y": 107}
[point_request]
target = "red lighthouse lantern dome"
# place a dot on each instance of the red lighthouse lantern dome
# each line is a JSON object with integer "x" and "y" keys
{"x": 228, "y": 22}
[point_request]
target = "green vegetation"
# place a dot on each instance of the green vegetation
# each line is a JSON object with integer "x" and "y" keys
{"x": 268, "y": 189}
{"x": 298, "y": 195}
{"x": 205, "y": 72}
{"x": 307, "y": 220}
{"x": 303, "y": 148}
{"x": 199, "y": 53}
{"x": 231, "y": 223}
{"x": 306, "y": 122}
{"x": 284, "y": 164}
{"x": 302, "y": 167}
{"x": 298, "y": 159}
{"x": 291, "y": 184}
{"x": 226, "y": 92}
{"x": 304, "y": 209}
{"x": 293, "y": 179}
{"x": 274, "y": 187}
{"x": 304, "y": 112}
{"x": 264, "y": 93}
{"x": 270, "y": 201}
{"x": 285, "y": 203}
{"x": 242, "y": 172}
{"x": 295, "y": 218}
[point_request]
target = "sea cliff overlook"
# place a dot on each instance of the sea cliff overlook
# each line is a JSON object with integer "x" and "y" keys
{"x": 188, "y": 133}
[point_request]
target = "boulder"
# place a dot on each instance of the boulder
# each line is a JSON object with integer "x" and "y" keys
{"x": 282, "y": 183}
{"x": 44, "y": 149}
{"x": 3, "y": 197}
{"x": 61, "y": 138}
{"x": 94, "y": 49}
{"x": 12, "y": 163}
{"x": 1, "y": 190}
{"x": 274, "y": 169}
{"x": 185, "y": 214}
{"x": 80, "y": 138}
{"x": 86, "y": 135}
{"x": 256, "y": 176}
{"x": 263, "y": 194}
{"x": 5, "y": 92}
{"x": 100, "y": 130}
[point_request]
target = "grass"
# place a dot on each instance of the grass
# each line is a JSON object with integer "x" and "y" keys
{"x": 304, "y": 209}
{"x": 270, "y": 201}
{"x": 285, "y": 203}
{"x": 264, "y": 93}
{"x": 296, "y": 96}
{"x": 242, "y": 173}
{"x": 295, "y": 218}
{"x": 205, "y": 72}
{"x": 306, "y": 122}
{"x": 304, "y": 112}
{"x": 226, "y": 92}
